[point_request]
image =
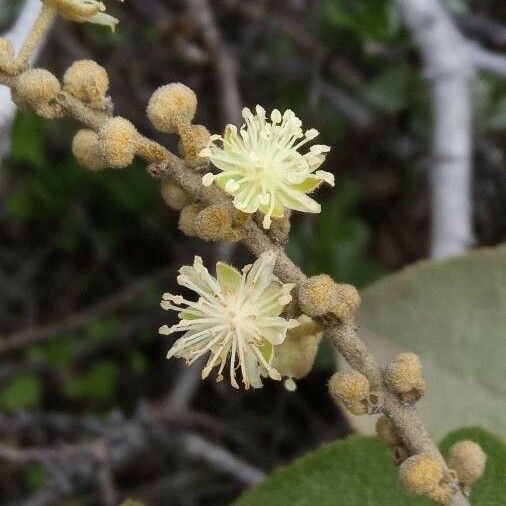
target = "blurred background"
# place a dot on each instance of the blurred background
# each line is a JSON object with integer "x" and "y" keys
{"x": 91, "y": 413}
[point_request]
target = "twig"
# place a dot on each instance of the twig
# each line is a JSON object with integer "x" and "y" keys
{"x": 487, "y": 30}
{"x": 122, "y": 444}
{"x": 37, "y": 335}
{"x": 488, "y": 60}
{"x": 226, "y": 67}
{"x": 222, "y": 459}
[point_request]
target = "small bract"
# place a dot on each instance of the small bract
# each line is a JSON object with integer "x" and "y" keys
{"x": 261, "y": 165}
{"x": 236, "y": 319}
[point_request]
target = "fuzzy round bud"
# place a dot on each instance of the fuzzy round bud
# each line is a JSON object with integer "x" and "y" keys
{"x": 346, "y": 301}
{"x": 171, "y": 107}
{"x": 421, "y": 474}
{"x": 87, "y": 81}
{"x": 35, "y": 87}
{"x": 187, "y": 219}
{"x": 174, "y": 196}
{"x": 6, "y": 52}
{"x": 213, "y": 223}
{"x": 468, "y": 460}
{"x": 321, "y": 296}
{"x": 193, "y": 140}
{"x": 117, "y": 142}
{"x": 316, "y": 295}
{"x": 350, "y": 388}
{"x": 403, "y": 375}
{"x": 85, "y": 150}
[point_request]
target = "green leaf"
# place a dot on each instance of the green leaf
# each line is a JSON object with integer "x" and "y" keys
{"x": 103, "y": 329}
{"x": 452, "y": 314}
{"x": 368, "y": 19}
{"x": 490, "y": 489}
{"x": 356, "y": 471}
{"x": 99, "y": 384}
{"x": 360, "y": 471}
{"x": 138, "y": 362}
{"x": 57, "y": 354}
{"x": 24, "y": 392}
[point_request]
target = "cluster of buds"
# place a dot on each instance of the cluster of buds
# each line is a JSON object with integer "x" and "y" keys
{"x": 171, "y": 110}
{"x": 322, "y": 298}
{"x": 353, "y": 390}
{"x": 468, "y": 460}
{"x": 217, "y": 222}
{"x": 425, "y": 474}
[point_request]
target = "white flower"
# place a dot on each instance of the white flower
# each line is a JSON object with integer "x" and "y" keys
{"x": 261, "y": 165}
{"x": 236, "y": 319}
{"x": 84, "y": 11}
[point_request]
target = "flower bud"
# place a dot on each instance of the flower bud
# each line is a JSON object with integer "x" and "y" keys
{"x": 316, "y": 295}
{"x": 193, "y": 140}
{"x": 468, "y": 460}
{"x": 346, "y": 301}
{"x": 421, "y": 473}
{"x": 171, "y": 107}
{"x": 295, "y": 357}
{"x": 85, "y": 150}
{"x": 174, "y": 196}
{"x": 424, "y": 474}
{"x": 88, "y": 82}
{"x": 117, "y": 142}
{"x": 213, "y": 223}
{"x": 35, "y": 87}
{"x": 351, "y": 389}
{"x": 403, "y": 375}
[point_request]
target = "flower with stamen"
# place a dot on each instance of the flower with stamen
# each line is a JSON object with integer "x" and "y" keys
{"x": 84, "y": 11}
{"x": 236, "y": 319}
{"x": 262, "y": 168}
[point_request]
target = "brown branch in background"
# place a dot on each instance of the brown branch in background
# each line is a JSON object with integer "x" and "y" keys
{"x": 23, "y": 339}
{"x": 120, "y": 445}
{"x": 226, "y": 67}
